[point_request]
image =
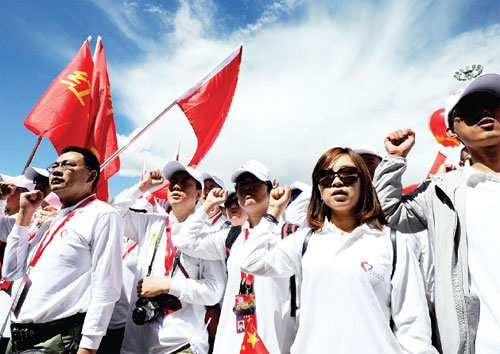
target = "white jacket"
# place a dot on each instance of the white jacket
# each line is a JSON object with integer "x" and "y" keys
{"x": 347, "y": 295}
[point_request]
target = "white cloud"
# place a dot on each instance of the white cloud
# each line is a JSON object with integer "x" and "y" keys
{"x": 338, "y": 75}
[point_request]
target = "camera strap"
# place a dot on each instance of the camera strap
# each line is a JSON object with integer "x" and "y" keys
{"x": 177, "y": 262}
{"x": 157, "y": 243}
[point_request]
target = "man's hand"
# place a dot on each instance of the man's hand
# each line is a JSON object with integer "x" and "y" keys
{"x": 6, "y": 190}
{"x": 86, "y": 351}
{"x": 151, "y": 179}
{"x": 400, "y": 142}
{"x": 216, "y": 197}
{"x": 279, "y": 200}
{"x": 152, "y": 286}
{"x": 446, "y": 167}
{"x": 28, "y": 202}
{"x": 46, "y": 213}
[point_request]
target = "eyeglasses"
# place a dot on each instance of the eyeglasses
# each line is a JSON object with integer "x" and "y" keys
{"x": 64, "y": 165}
{"x": 348, "y": 176}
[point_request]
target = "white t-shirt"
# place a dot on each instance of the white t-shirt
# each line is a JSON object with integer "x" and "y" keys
{"x": 347, "y": 295}
{"x": 483, "y": 243}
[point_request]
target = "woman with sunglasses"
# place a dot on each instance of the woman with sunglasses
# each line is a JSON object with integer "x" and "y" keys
{"x": 270, "y": 311}
{"x": 351, "y": 301}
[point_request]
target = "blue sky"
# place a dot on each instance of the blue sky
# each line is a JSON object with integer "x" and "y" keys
{"x": 315, "y": 74}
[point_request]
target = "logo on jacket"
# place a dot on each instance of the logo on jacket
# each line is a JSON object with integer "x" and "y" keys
{"x": 367, "y": 267}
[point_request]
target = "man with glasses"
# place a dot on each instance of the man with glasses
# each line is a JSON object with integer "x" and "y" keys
{"x": 71, "y": 270}
{"x": 460, "y": 209}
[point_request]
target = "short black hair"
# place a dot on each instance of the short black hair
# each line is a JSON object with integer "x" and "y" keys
{"x": 91, "y": 161}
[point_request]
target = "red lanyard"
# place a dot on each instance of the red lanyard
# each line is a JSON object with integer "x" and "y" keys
{"x": 171, "y": 250}
{"x": 127, "y": 252}
{"x": 216, "y": 218}
{"x": 247, "y": 277}
{"x": 44, "y": 243}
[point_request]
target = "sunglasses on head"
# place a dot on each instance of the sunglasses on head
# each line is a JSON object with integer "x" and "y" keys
{"x": 348, "y": 176}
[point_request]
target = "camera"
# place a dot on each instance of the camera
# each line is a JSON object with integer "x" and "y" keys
{"x": 149, "y": 308}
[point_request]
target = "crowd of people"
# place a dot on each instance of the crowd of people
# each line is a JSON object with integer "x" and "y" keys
{"x": 347, "y": 264}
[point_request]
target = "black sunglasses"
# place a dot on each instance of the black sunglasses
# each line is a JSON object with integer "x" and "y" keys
{"x": 230, "y": 201}
{"x": 348, "y": 176}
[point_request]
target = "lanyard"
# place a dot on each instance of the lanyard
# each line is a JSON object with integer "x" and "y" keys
{"x": 216, "y": 218}
{"x": 169, "y": 252}
{"x": 48, "y": 239}
{"x": 248, "y": 278}
{"x": 127, "y": 252}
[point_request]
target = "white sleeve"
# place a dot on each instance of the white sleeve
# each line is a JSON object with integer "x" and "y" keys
{"x": 6, "y": 222}
{"x": 205, "y": 291}
{"x": 16, "y": 253}
{"x": 204, "y": 245}
{"x": 410, "y": 313}
{"x": 106, "y": 252}
{"x": 134, "y": 223}
{"x": 266, "y": 254}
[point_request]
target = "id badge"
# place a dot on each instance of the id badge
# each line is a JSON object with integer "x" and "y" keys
{"x": 244, "y": 309}
{"x": 21, "y": 295}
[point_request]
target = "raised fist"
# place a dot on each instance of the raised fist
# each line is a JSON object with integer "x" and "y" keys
{"x": 6, "y": 190}
{"x": 400, "y": 142}
{"x": 151, "y": 179}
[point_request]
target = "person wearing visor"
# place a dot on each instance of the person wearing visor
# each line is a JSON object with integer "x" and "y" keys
{"x": 370, "y": 156}
{"x": 460, "y": 209}
{"x": 168, "y": 308}
{"x": 216, "y": 216}
{"x": 352, "y": 283}
{"x": 266, "y": 301}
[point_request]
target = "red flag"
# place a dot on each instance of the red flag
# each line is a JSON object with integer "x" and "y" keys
{"x": 207, "y": 103}
{"x": 437, "y": 125}
{"x": 62, "y": 113}
{"x": 252, "y": 344}
{"x": 440, "y": 159}
{"x": 101, "y": 138}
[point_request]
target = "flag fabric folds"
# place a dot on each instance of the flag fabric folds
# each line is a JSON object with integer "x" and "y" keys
{"x": 101, "y": 136}
{"x": 62, "y": 113}
{"x": 207, "y": 103}
{"x": 252, "y": 344}
{"x": 77, "y": 110}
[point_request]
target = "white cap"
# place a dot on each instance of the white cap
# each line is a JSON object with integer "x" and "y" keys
{"x": 451, "y": 102}
{"x": 216, "y": 179}
{"x": 32, "y": 172}
{"x": 173, "y": 167}
{"x": 300, "y": 186}
{"x": 367, "y": 149}
{"x": 489, "y": 83}
{"x": 255, "y": 168}
{"x": 20, "y": 181}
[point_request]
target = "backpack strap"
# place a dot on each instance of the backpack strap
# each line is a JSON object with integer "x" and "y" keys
{"x": 177, "y": 262}
{"x": 394, "y": 251}
{"x": 287, "y": 230}
{"x": 306, "y": 241}
{"x": 232, "y": 235}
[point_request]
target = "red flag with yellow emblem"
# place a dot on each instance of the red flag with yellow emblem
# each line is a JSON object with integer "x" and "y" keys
{"x": 62, "y": 113}
{"x": 101, "y": 136}
{"x": 252, "y": 344}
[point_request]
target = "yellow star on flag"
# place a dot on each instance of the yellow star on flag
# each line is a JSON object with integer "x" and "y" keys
{"x": 243, "y": 348}
{"x": 252, "y": 339}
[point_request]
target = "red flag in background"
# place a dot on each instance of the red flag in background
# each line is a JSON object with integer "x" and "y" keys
{"x": 207, "y": 103}
{"x": 101, "y": 138}
{"x": 440, "y": 159}
{"x": 437, "y": 125}
{"x": 62, "y": 113}
{"x": 252, "y": 344}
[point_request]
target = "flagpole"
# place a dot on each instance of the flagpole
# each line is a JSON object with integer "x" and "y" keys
{"x": 32, "y": 153}
{"x": 137, "y": 136}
